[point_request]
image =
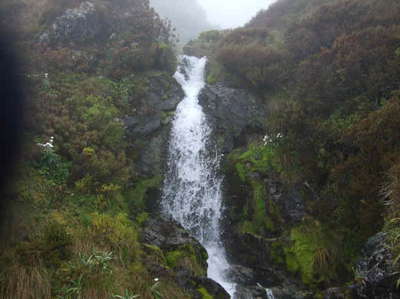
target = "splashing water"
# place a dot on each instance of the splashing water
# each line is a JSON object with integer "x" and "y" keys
{"x": 192, "y": 187}
{"x": 270, "y": 294}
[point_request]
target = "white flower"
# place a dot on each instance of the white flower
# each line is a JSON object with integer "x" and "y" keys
{"x": 48, "y": 145}
{"x": 156, "y": 279}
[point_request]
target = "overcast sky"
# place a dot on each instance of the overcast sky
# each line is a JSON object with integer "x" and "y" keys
{"x": 232, "y": 13}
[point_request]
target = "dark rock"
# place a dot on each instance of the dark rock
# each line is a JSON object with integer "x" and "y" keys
{"x": 242, "y": 275}
{"x": 235, "y": 114}
{"x": 212, "y": 287}
{"x": 153, "y": 200}
{"x": 376, "y": 270}
{"x": 149, "y": 126}
{"x": 254, "y": 292}
{"x": 288, "y": 199}
{"x": 167, "y": 234}
{"x": 287, "y": 292}
{"x": 290, "y": 292}
{"x": 163, "y": 95}
{"x": 336, "y": 293}
{"x": 78, "y": 25}
{"x": 249, "y": 250}
{"x": 144, "y": 125}
{"x": 168, "y": 104}
{"x": 377, "y": 277}
{"x": 131, "y": 121}
{"x": 153, "y": 153}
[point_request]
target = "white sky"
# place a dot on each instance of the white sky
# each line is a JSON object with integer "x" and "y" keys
{"x": 232, "y": 13}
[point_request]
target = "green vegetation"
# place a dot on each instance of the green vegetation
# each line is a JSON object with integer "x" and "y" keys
{"x": 186, "y": 257}
{"x": 83, "y": 199}
{"x": 329, "y": 73}
{"x": 204, "y": 293}
{"x": 259, "y": 215}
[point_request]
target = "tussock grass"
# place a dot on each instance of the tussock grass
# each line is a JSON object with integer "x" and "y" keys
{"x": 26, "y": 283}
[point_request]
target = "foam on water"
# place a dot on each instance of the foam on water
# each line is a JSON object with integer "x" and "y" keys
{"x": 192, "y": 187}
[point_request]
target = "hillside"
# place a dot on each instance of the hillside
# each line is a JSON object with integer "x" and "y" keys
{"x": 99, "y": 100}
{"x": 284, "y": 164}
{"x": 324, "y": 177}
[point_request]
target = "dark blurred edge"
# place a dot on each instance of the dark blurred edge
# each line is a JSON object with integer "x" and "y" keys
{"x": 11, "y": 116}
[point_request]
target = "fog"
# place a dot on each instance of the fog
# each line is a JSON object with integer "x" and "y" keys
{"x": 190, "y": 17}
{"x": 187, "y": 16}
{"x": 232, "y": 13}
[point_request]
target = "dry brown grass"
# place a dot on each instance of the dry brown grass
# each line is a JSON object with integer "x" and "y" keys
{"x": 26, "y": 283}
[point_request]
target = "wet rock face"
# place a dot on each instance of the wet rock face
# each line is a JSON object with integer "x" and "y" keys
{"x": 254, "y": 292}
{"x": 168, "y": 234}
{"x": 178, "y": 245}
{"x": 235, "y": 114}
{"x": 149, "y": 126}
{"x": 289, "y": 200}
{"x": 212, "y": 287}
{"x": 173, "y": 240}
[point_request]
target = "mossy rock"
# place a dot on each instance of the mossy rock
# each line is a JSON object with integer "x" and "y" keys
{"x": 312, "y": 254}
{"x": 187, "y": 257}
{"x": 204, "y": 293}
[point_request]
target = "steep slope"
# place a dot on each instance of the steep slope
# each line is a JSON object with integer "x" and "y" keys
{"x": 306, "y": 195}
{"x": 100, "y": 97}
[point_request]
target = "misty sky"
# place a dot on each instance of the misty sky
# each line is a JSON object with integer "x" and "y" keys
{"x": 232, "y": 13}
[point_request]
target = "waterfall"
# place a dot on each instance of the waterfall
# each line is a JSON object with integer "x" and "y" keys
{"x": 192, "y": 187}
{"x": 270, "y": 294}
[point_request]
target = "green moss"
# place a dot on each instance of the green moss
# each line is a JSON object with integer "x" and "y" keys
{"x": 241, "y": 170}
{"x": 137, "y": 196}
{"x": 142, "y": 218}
{"x": 259, "y": 215}
{"x": 258, "y": 202}
{"x": 173, "y": 257}
{"x": 312, "y": 254}
{"x": 277, "y": 253}
{"x": 248, "y": 227}
{"x": 212, "y": 79}
{"x": 300, "y": 258}
{"x": 204, "y": 293}
{"x": 187, "y": 257}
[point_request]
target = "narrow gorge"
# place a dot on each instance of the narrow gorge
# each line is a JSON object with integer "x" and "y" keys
{"x": 192, "y": 188}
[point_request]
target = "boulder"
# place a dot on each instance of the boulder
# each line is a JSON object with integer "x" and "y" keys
{"x": 183, "y": 258}
{"x": 213, "y": 288}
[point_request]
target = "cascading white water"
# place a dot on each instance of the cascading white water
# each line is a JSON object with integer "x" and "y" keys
{"x": 192, "y": 187}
